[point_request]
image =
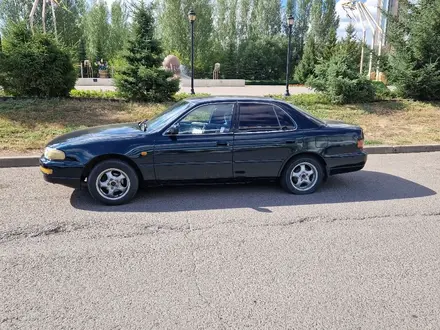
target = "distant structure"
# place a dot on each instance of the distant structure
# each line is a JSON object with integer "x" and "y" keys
{"x": 216, "y": 71}
{"x": 390, "y": 7}
{"x": 358, "y": 11}
{"x": 172, "y": 63}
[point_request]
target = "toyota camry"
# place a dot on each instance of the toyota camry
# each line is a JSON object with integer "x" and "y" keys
{"x": 215, "y": 139}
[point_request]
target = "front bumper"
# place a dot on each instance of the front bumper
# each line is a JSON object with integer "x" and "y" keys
{"x": 346, "y": 163}
{"x": 66, "y": 173}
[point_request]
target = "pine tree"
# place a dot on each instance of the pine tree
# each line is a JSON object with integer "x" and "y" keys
{"x": 351, "y": 47}
{"x": 415, "y": 49}
{"x": 339, "y": 77}
{"x": 144, "y": 79}
{"x": 306, "y": 67}
{"x": 323, "y": 25}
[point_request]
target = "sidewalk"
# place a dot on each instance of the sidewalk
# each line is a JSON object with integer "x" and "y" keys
{"x": 241, "y": 91}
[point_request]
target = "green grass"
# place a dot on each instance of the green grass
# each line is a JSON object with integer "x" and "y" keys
{"x": 114, "y": 95}
{"x": 27, "y": 125}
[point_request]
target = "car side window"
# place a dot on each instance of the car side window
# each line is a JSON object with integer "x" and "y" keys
{"x": 286, "y": 122}
{"x": 258, "y": 118}
{"x": 208, "y": 119}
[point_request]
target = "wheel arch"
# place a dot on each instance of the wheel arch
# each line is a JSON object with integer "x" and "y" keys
{"x": 313, "y": 155}
{"x": 94, "y": 161}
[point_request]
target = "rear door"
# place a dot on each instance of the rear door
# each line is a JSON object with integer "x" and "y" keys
{"x": 265, "y": 137}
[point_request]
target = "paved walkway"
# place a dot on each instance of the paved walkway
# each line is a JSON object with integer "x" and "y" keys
{"x": 246, "y": 91}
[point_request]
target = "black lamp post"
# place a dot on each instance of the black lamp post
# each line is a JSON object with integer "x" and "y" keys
{"x": 192, "y": 18}
{"x": 290, "y": 22}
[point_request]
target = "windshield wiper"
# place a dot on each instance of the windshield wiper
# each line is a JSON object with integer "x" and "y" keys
{"x": 143, "y": 125}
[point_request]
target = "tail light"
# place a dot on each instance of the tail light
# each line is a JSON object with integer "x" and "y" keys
{"x": 360, "y": 143}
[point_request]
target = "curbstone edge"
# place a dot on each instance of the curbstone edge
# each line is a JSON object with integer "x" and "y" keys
{"x": 401, "y": 149}
{"x": 19, "y": 161}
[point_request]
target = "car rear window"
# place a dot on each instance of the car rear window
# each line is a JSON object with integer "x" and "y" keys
{"x": 258, "y": 117}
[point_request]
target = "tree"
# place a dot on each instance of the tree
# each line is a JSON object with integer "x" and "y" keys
{"x": 174, "y": 31}
{"x": 143, "y": 78}
{"x": 266, "y": 17}
{"x": 35, "y": 65}
{"x": 415, "y": 49}
{"x": 97, "y": 31}
{"x": 339, "y": 77}
{"x": 323, "y": 25}
{"x": 119, "y": 30}
{"x": 69, "y": 22}
{"x": 351, "y": 46}
{"x": 306, "y": 66}
{"x": 14, "y": 10}
{"x": 302, "y": 16}
{"x": 226, "y": 41}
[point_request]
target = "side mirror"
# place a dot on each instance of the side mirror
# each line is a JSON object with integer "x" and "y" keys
{"x": 173, "y": 130}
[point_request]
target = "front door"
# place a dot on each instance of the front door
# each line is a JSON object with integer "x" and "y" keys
{"x": 265, "y": 138}
{"x": 202, "y": 148}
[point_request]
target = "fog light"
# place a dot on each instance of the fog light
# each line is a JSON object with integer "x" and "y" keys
{"x": 46, "y": 170}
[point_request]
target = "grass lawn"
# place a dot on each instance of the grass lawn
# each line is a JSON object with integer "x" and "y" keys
{"x": 27, "y": 125}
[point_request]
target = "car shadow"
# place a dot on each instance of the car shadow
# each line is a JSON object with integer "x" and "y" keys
{"x": 354, "y": 187}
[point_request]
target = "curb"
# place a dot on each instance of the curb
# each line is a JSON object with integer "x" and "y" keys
{"x": 372, "y": 150}
{"x": 30, "y": 161}
{"x": 19, "y": 161}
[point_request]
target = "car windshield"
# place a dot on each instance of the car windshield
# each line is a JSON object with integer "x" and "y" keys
{"x": 159, "y": 121}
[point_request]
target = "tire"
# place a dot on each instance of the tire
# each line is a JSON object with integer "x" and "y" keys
{"x": 302, "y": 175}
{"x": 108, "y": 187}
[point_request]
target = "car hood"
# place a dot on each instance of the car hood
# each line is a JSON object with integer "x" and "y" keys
{"x": 98, "y": 133}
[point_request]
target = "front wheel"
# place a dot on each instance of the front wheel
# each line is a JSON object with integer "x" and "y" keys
{"x": 113, "y": 182}
{"x": 302, "y": 176}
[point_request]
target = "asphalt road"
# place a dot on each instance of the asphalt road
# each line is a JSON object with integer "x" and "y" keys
{"x": 362, "y": 253}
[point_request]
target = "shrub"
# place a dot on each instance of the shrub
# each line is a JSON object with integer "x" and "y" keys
{"x": 35, "y": 65}
{"x": 95, "y": 94}
{"x": 382, "y": 91}
{"x": 304, "y": 99}
{"x": 340, "y": 83}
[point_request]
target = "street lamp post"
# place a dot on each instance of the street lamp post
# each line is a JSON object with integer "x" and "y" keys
{"x": 192, "y": 18}
{"x": 290, "y": 22}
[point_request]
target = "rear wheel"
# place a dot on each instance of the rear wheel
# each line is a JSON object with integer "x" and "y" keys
{"x": 113, "y": 182}
{"x": 302, "y": 176}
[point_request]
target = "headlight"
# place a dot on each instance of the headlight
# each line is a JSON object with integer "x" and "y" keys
{"x": 54, "y": 154}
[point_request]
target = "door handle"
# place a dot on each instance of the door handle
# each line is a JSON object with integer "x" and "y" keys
{"x": 222, "y": 143}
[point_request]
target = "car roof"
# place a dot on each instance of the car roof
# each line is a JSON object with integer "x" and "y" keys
{"x": 207, "y": 99}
